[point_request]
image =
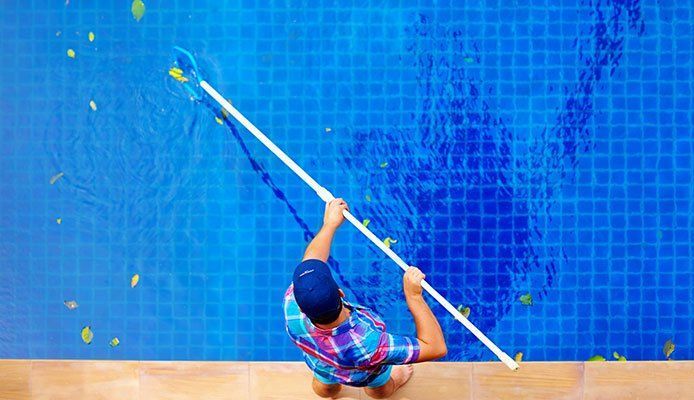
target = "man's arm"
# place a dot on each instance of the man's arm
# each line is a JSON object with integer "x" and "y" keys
{"x": 429, "y": 335}
{"x": 319, "y": 248}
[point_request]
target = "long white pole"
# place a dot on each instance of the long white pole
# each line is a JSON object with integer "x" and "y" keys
{"x": 326, "y": 196}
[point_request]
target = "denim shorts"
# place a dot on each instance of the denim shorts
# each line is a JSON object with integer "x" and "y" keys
{"x": 380, "y": 380}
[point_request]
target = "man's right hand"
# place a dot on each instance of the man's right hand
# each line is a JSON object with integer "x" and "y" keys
{"x": 412, "y": 282}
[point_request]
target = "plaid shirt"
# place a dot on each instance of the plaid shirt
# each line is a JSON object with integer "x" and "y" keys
{"x": 353, "y": 353}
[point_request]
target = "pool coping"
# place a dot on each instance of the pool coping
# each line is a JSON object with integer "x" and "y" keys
{"x": 111, "y": 379}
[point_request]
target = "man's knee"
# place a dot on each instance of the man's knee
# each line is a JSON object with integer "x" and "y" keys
{"x": 380, "y": 392}
{"x": 325, "y": 390}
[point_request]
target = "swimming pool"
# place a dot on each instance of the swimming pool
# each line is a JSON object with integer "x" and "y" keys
{"x": 543, "y": 148}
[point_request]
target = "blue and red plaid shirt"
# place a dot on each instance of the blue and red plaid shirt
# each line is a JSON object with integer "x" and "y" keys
{"x": 353, "y": 353}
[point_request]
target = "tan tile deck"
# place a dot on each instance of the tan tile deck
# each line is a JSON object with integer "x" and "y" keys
{"x": 93, "y": 380}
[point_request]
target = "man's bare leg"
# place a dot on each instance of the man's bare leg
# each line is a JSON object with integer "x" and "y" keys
{"x": 325, "y": 390}
{"x": 400, "y": 375}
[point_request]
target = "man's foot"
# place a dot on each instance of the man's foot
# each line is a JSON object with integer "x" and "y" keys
{"x": 401, "y": 374}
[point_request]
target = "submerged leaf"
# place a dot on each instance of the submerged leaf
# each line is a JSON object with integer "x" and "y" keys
{"x": 138, "y": 9}
{"x": 328, "y": 130}
{"x": 219, "y": 120}
{"x": 55, "y": 178}
{"x": 518, "y": 357}
{"x": 71, "y": 53}
{"x": 114, "y": 342}
{"x": 597, "y": 357}
{"x": 465, "y": 311}
{"x": 668, "y": 348}
{"x": 58, "y": 221}
{"x": 92, "y": 105}
{"x": 134, "y": 280}
{"x": 526, "y": 299}
{"x": 91, "y": 36}
{"x": 368, "y": 197}
{"x": 366, "y": 222}
{"x": 468, "y": 60}
{"x": 618, "y": 357}
{"x": 87, "y": 334}
{"x": 71, "y": 304}
{"x": 388, "y": 241}
{"x": 384, "y": 164}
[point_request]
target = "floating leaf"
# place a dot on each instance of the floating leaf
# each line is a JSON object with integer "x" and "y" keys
{"x": 55, "y": 178}
{"x": 465, "y": 311}
{"x": 368, "y": 197}
{"x": 468, "y": 60}
{"x": 114, "y": 342}
{"x": 618, "y": 357}
{"x": 366, "y": 222}
{"x": 92, "y": 105}
{"x": 597, "y": 357}
{"x": 71, "y": 304}
{"x": 219, "y": 120}
{"x": 87, "y": 335}
{"x": 328, "y": 130}
{"x": 388, "y": 241}
{"x": 91, "y": 36}
{"x": 71, "y": 53}
{"x": 518, "y": 357}
{"x": 176, "y": 74}
{"x": 668, "y": 348}
{"x": 526, "y": 299}
{"x": 58, "y": 221}
{"x": 134, "y": 280}
{"x": 384, "y": 164}
{"x": 138, "y": 9}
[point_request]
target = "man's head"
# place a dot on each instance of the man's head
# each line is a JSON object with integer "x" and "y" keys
{"x": 316, "y": 292}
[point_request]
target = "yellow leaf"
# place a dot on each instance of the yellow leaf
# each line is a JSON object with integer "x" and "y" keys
{"x": 388, "y": 241}
{"x": 219, "y": 120}
{"x": 58, "y": 221}
{"x": 114, "y": 342}
{"x": 87, "y": 335}
{"x": 91, "y": 36}
{"x": 92, "y": 105}
{"x": 518, "y": 357}
{"x": 134, "y": 280}
{"x": 138, "y": 9}
{"x": 71, "y": 304}
{"x": 71, "y": 53}
{"x": 55, "y": 177}
{"x": 366, "y": 222}
{"x": 668, "y": 348}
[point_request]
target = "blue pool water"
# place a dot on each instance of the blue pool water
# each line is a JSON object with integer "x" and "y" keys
{"x": 531, "y": 147}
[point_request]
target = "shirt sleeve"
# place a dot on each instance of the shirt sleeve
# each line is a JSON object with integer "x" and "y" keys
{"x": 396, "y": 349}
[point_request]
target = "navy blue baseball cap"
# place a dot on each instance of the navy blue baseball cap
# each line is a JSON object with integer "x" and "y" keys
{"x": 316, "y": 292}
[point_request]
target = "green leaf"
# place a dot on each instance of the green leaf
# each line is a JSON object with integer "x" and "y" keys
{"x": 138, "y": 9}
{"x": 384, "y": 164}
{"x": 465, "y": 311}
{"x": 366, "y": 222}
{"x": 388, "y": 241}
{"x": 91, "y": 36}
{"x": 518, "y": 357}
{"x": 368, "y": 197}
{"x": 114, "y": 342}
{"x": 526, "y": 299}
{"x": 87, "y": 335}
{"x": 668, "y": 348}
{"x": 71, "y": 53}
{"x": 597, "y": 357}
{"x": 618, "y": 357}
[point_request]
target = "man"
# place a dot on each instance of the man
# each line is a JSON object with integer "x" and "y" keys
{"x": 345, "y": 343}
